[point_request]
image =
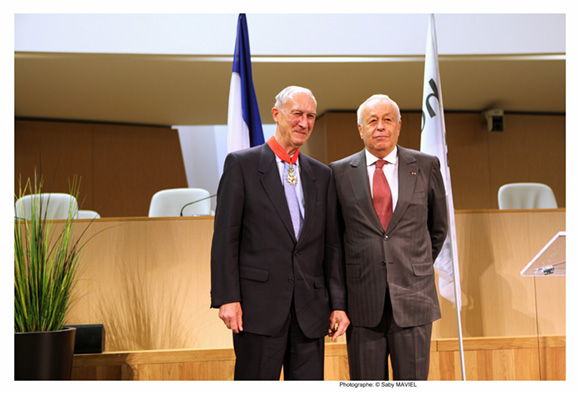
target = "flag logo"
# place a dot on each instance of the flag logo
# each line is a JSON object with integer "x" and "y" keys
{"x": 427, "y": 104}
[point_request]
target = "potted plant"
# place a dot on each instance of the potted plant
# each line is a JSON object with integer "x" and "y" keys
{"x": 46, "y": 255}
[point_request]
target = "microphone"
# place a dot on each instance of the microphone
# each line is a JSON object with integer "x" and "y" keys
{"x": 193, "y": 202}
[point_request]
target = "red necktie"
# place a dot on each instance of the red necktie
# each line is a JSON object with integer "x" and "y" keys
{"x": 382, "y": 199}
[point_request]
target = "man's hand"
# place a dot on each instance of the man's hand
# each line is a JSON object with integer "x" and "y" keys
{"x": 231, "y": 314}
{"x": 339, "y": 321}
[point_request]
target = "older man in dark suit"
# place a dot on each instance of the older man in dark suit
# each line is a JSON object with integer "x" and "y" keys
{"x": 276, "y": 261}
{"x": 395, "y": 221}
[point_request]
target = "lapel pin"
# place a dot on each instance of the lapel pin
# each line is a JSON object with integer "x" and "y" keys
{"x": 413, "y": 173}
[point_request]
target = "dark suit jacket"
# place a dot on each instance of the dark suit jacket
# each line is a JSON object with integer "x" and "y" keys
{"x": 402, "y": 257}
{"x": 255, "y": 258}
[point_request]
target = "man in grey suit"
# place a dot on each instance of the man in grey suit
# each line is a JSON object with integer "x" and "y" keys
{"x": 395, "y": 222}
{"x": 277, "y": 273}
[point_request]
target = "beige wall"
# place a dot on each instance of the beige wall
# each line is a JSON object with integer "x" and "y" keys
{"x": 530, "y": 149}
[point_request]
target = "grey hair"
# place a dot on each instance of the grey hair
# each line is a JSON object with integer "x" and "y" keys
{"x": 286, "y": 93}
{"x": 376, "y": 97}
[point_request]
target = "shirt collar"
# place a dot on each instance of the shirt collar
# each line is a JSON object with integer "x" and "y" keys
{"x": 391, "y": 158}
{"x": 278, "y": 160}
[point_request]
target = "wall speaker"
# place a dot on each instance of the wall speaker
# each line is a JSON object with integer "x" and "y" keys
{"x": 90, "y": 338}
{"x": 494, "y": 119}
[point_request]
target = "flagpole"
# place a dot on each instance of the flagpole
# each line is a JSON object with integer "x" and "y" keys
{"x": 455, "y": 255}
{"x": 433, "y": 141}
{"x": 457, "y": 297}
{"x": 456, "y": 290}
{"x": 459, "y": 335}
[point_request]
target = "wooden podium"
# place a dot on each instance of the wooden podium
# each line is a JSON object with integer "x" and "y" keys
{"x": 148, "y": 281}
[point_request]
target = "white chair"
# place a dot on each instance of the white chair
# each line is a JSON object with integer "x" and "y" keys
{"x": 54, "y": 206}
{"x": 180, "y": 202}
{"x": 88, "y": 214}
{"x": 526, "y": 196}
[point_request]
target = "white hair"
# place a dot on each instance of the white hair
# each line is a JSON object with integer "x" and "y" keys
{"x": 286, "y": 93}
{"x": 376, "y": 97}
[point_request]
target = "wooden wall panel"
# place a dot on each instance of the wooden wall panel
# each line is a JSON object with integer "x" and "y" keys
{"x": 316, "y": 144}
{"x": 148, "y": 281}
{"x": 500, "y": 358}
{"x": 342, "y": 136}
{"x": 121, "y": 166}
{"x": 493, "y": 247}
{"x": 131, "y": 164}
{"x": 495, "y": 359}
{"x": 58, "y": 150}
{"x": 530, "y": 149}
{"x": 469, "y": 159}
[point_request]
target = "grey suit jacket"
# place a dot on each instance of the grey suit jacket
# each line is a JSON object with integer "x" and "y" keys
{"x": 402, "y": 256}
{"x": 255, "y": 257}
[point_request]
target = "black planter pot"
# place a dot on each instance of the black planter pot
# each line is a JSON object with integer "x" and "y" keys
{"x": 44, "y": 355}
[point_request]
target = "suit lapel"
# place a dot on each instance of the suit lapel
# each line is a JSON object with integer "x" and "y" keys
{"x": 270, "y": 180}
{"x": 359, "y": 180}
{"x": 408, "y": 174}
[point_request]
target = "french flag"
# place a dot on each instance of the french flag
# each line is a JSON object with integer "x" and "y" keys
{"x": 244, "y": 123}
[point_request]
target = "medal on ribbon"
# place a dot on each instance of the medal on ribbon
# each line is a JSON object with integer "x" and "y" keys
{"x": 279, "y": 151}
{"x": 290, "y": 176}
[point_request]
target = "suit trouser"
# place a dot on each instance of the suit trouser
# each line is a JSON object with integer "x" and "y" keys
{"x": 260, "y": 357}
{"x": 369, "y": 347}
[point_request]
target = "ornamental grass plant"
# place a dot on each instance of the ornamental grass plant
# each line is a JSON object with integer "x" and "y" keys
{"x": 46, "y": 256}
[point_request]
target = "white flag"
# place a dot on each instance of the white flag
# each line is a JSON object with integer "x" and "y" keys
{"x": 433, "y": 142}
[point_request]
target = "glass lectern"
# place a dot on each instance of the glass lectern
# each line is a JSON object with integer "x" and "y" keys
{"x": 548, "y": 268}
{"x": 551, "y": 260}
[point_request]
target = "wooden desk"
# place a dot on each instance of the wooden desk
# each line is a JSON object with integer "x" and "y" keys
{"x": 148, "y": 281}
